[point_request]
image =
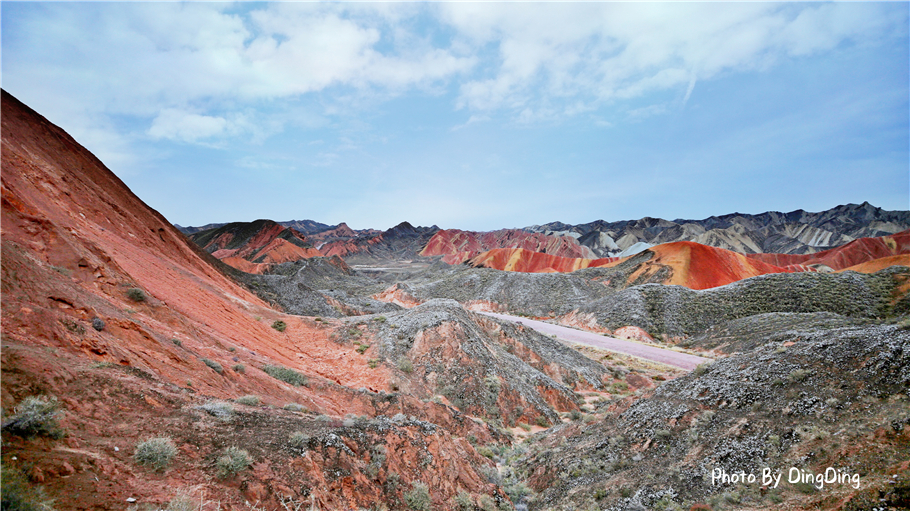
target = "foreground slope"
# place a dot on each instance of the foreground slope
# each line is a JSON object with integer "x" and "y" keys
{"x": 109, "y": 309}
{"x": 813, "y": 401}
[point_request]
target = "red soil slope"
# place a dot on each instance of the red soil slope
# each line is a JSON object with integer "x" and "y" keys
{"x": 519, "y": 259}
{"x": 75, "y": 240}
{"x": 453, "y": 241}
{"x": 698, "y": 266}
{"x": 863, "y": 250}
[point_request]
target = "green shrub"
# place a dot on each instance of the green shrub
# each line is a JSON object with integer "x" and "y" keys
{"x": 379, "y": 319}
{"x": 35, "y": 415}
{"x": 406, "y": 365}
{"x": 798, "y": 375}
{"x": 373, "y": 363}
{"x": 463, "y": 501}
{"x": 542, "y": 421}
{"x": 662, "y": 434}
{"x": 135, "y": 294}
{"x": 362, "y": 348}
{"x": 299, "y": 440}
{"x": 419, "y": 497}
{"x": 279, "y": 325}
{"x": 156, "y": 453}
{"x": 249, "y": 400}
{"x": 218, "y": 409}
{"x": 702, "y": 369}
{"x": 485, "y": 451}
{"x": 294, "y": 407}
{"x": 232, "y": 462}
{"x": 286, "y": 375}
{"x": 181, "y": 502}
{"x": 239, "y": 368}
{"x": 17, "y": 494}
{"x": 214, "y": 365}
{"x": 177, "y": 342}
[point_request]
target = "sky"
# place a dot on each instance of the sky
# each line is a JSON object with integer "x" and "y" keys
{"x": 476, "y": 116}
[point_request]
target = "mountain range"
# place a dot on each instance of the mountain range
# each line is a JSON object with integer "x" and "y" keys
{"x": 140, "y": 370}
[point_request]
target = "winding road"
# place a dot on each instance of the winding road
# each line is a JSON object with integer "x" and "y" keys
{"x": 668, "y": 357}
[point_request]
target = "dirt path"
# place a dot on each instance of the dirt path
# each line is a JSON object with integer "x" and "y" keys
{"x": 656, "y": 354}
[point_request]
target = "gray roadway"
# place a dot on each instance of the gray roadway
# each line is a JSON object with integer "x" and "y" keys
{"x": 668, "y": 357}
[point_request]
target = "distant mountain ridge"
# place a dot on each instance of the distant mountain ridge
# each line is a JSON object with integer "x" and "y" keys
{"x": 796, "y": 232}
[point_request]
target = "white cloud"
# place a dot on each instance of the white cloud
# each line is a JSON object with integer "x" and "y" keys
{"x": 597, "y": 53}
{"x": 183, "y": 126}
{"x": 195, "y": 71}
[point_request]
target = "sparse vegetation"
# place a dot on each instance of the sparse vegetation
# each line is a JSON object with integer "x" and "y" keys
{"x": 177, "y": 342}
{"x": 294, "y": 407}
{"x": 299, "y": 440}
{"x": 35, "y": 415}
{"x": 156, "y": 453}
{"x": 232, "y": 462}
{"x": 219, "y": 409}
{"x": 239, "y": 368}
{"x": 701, "y": 369}
{"x": 798, "y": 375}
{"x": 135, "y": 294}
{"x": 418, "y": 498}
{"x": 214, "y": 365}
{"x": 249, "y": 400}
{"x": 373, "y": 363}
{"x": 463, "y": 501}
{"x": 405, "y": 365}
{"x": 362, "y": 348}
{"x": 279, "y": 325}
{"x": 19, "y": 495}
{"x": 286, "y": 375}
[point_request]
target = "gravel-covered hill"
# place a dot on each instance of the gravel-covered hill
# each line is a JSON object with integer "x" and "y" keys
{"x": 818, "y": 399}
{"x": 482, "y": 366}
{"x": 679, "y": 312}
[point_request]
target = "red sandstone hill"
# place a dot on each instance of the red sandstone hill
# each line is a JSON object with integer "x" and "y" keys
{"x": 698, "y": 266}
{"x": 857, "y": 252}
{"x": 254, "y": 247}
{"x": 458, "y": 246}
{"x": 519, "y": 259}
{"x": 109, "y": 308}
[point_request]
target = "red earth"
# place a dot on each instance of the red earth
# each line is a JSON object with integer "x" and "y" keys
{"x": 698, "y": 266}
{"x": 80, "y": 250}
{"x": 450, "y": 242}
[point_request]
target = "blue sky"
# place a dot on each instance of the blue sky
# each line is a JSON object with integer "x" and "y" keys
{"x": 476, "y": 115}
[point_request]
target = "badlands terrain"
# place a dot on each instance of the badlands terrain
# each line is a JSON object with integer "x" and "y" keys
{"x": 299, "y": 365}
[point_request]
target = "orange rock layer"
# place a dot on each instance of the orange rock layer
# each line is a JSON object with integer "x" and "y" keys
{"x": 857, "y": 252}
{"x": 454, "y": 241}
{"x": 698, "y": 266}
{"x": 528, "y": 261}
